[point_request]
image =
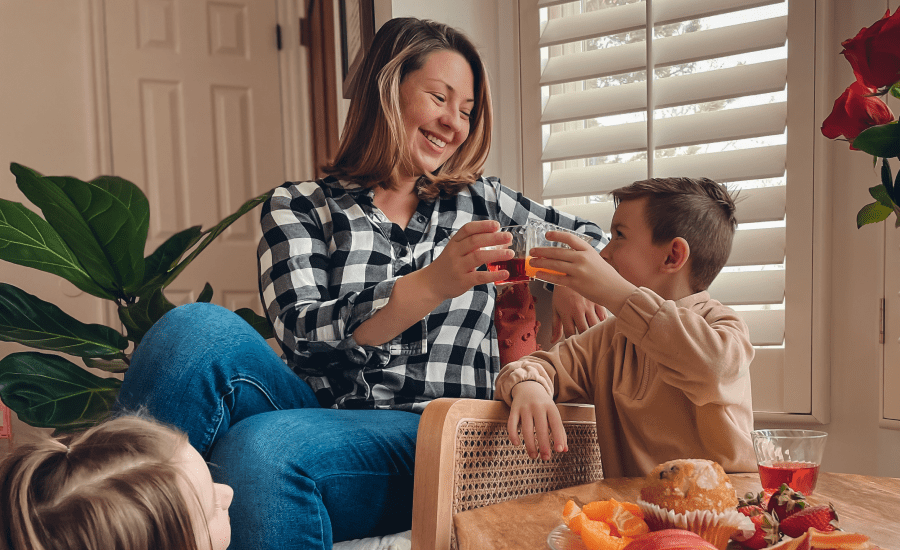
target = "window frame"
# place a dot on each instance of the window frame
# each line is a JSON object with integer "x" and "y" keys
{"x": 804, "y": 380}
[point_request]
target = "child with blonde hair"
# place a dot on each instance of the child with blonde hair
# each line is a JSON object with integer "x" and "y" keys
{"x": 127, "y": 483}
{"x": 669, "y": 374}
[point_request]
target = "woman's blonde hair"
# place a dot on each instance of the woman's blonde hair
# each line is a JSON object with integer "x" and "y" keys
{"x": 114, "y": 486}
{"x": 373, "y": 145}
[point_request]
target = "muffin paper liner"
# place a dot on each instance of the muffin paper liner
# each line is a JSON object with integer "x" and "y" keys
{"x": 715, "y": 527}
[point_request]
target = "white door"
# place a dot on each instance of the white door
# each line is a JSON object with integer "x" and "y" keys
{"x": 195, "y": 119}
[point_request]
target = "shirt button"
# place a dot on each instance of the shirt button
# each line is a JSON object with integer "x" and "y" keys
{"x": 420, "y": 218}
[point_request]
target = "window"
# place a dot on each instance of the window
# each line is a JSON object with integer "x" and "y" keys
{"x": 724, "y": 79}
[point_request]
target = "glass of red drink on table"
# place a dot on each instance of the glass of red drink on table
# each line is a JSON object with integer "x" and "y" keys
{"x": 789, "y": 456}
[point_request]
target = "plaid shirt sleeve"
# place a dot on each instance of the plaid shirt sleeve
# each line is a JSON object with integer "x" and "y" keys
{"x": 307, "y": 310}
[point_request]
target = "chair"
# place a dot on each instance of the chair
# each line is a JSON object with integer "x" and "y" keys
{"x": 464, "y": 460}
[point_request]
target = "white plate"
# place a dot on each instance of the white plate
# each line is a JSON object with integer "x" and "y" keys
{"x": 561, "y": 538}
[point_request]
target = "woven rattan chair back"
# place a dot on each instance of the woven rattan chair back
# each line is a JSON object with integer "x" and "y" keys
{"x": 464, "y": 460}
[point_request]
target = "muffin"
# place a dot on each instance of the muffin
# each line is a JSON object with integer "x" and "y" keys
{"x": 695, "y": 495}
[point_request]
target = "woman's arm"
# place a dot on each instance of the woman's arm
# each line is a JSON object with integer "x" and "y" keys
{"x": 451, "y": 274}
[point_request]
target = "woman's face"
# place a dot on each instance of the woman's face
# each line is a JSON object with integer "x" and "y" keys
{"x": 435, "y": 103}
{"x": 215, "y": 498}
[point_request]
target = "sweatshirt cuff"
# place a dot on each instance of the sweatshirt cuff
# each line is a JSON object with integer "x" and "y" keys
{"x": 521, "y": 371}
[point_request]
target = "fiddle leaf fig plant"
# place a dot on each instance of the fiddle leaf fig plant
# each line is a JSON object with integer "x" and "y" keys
{"x": 92, "y": 234}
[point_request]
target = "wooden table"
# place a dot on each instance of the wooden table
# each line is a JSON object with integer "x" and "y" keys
{"x": 868, "y": 505}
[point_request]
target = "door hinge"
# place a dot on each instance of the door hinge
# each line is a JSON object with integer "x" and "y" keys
{"x": 278, "y": 36}
{"x": 881, "y": 324}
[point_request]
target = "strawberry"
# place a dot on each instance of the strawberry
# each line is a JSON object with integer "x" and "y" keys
{"x": 785, "y": 502}
{"x": 750, "y": 504}
{"x": 823, "y": 517}
{"x": 766, "y": 533}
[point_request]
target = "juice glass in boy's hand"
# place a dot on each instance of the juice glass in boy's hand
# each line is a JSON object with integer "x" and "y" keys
{"x": 536, "y": 236}
{"x": 789, "y": 456}
{"x": 516, "y": 265}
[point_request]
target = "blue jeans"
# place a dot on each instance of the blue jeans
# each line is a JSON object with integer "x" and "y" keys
{"x": 302, "y": 475}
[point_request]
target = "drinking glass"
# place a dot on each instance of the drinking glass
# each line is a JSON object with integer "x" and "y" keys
{"x": 536, "y": 236}
{"x": 789, "y": 456}
{"x": 516, "y": 265}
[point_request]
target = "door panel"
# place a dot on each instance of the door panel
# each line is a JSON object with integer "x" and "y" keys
{"x": 195, "y": 113}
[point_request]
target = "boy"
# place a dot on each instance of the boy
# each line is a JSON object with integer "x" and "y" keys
{"x": 669, "y": 373}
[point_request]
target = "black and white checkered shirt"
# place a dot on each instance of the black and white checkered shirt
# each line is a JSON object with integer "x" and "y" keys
{"x": 328, "y": 260}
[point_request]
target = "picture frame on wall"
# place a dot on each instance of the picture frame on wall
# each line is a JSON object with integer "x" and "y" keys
{"x": 357, "y": 22}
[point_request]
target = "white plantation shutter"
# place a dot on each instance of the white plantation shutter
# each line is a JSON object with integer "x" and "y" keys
{"x": 728, "y": 89}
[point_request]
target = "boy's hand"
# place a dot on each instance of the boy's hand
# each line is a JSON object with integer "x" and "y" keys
{"x": 534, "y": 409}
{"x": 584, "y": 271}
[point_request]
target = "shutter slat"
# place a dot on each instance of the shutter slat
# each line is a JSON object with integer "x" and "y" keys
{"x": 749, "y": 287}
{"x": 766, "y": 326}
{"x": 615, "y": 20}
{"x": 593, "y": 24}
{"x": 757, "y": 247}
{"x": 755, "y": 36}
{"x": 725, "y": 125}
{"x": 741, "y": 165}
{"x": 753, "y": 205}
{"x": 743, "y": 80}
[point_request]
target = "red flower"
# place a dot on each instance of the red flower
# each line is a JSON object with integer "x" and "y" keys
{"x": 874, "y": 53}
{"x": 855, "y": 111}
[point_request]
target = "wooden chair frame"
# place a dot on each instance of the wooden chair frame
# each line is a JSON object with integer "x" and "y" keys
{"x": 463, "y": 443}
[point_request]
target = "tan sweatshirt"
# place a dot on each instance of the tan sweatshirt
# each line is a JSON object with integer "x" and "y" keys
{"x": 668, "y": 380}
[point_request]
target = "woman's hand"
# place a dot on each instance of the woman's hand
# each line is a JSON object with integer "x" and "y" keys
{"x": 455, "y": 271}
{"x": 534, "y": 409}
{"x": 573, "y": 313}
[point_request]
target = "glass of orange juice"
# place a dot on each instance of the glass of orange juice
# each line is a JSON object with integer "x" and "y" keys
{"x": 535, "y": 236}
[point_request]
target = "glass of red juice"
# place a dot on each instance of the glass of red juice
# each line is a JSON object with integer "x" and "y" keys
{"x": 792, "y": 457}
{"x": 516, "y": 265}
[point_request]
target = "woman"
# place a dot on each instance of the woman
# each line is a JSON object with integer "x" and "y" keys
{"x": 127, "y": 483}
{"x": 371, "y": 279}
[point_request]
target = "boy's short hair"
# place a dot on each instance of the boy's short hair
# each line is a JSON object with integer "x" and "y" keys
{"x": 699, "y": 210}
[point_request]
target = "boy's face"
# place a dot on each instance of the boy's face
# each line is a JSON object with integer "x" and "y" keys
{"x": 631, "y": 250}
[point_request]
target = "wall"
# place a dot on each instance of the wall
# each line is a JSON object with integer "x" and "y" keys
{"x": 856, "y": 443}
{"x": 47, "y": 113}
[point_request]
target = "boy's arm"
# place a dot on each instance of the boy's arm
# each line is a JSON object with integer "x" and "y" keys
{"x": 701, "y": 346}
{"x": 527, "y": 386}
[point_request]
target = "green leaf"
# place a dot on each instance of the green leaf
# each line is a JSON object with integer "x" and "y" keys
{"x": 64, "y": 217}
{"x": 206, "y": 294}
{"x": 104, "y": 222}
{"x": 108, "y": 365}
{"x": 33, "y": 322}
{"x": 214, "y": 232}
{"x": 881, "y": 141}
{"x": 895, "y": 90}
{"x": 169, "y": 252}
{"x": 140, "y": 316}
{"x": 48, "y": 391}
{"x": 880, "y": 194}
{"x": 872, "y": 213}
{"x": 259, "y": 324}
{"x": 28, "y": 240}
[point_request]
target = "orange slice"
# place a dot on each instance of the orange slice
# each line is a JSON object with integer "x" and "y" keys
{"x": 595, "y": 535}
